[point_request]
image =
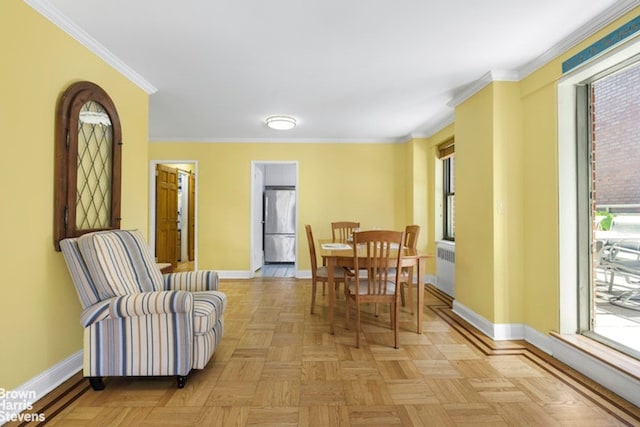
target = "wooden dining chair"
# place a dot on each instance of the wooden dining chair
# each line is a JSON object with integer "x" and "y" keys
{"x": 341, "y": 231}
{"x": 411, "y": 234}
{"x": 320, "y": 274}
{"x": 378, "y": 252}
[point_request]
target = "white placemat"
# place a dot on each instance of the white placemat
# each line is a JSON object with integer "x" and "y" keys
{"x": 335, "y": 246}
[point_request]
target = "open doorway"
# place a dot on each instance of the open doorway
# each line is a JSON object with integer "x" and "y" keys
{"x": 172, "y": 213}
{"x": 274, "y": 223}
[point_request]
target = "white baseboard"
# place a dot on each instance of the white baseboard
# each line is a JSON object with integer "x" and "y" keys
{"x": 300, "y": 274}
{"x": 303, "y": 274}
{"x": 246, "y": 274}
{"x": 485, "y": 326}
{"x": 538, "y": 339}
{"x": 235, "y": 274}
{"x": 429, "y": 278}
{"x": 22, "y": 397}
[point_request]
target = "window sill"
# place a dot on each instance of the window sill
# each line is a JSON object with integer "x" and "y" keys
{"x": 604, "y": 354}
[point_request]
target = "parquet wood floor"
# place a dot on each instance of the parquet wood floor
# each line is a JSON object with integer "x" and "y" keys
{"x": 277, "y": 365}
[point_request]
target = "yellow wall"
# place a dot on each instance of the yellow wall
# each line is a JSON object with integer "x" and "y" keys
{"x": 363, "y": 182}
{"x": 39, "y": 309}
{"x": 507, "y": 203}
{"x": 474, "y": 203}
{"x": 540, "y": 219}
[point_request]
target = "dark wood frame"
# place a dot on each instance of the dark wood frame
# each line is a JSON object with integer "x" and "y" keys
{"x": 66, "y": 158}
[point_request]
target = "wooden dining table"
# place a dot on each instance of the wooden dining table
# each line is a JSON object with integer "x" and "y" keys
{"x": 341, "y": 254}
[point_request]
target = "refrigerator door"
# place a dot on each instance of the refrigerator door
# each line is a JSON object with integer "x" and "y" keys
{"x": 280, "y": 248}
{"x": 280, "y": 208}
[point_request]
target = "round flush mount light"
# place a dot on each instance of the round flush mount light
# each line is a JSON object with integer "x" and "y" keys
{"x": 281, "y": 122}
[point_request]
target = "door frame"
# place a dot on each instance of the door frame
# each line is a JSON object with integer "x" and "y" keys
{"x": 256, "y": 211}
{"x": 152, "y": 205}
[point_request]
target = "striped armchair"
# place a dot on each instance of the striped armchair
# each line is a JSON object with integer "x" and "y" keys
{"x": 138, "y": 322}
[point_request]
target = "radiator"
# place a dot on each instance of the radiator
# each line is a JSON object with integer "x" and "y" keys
{"x": 446, "y": 267}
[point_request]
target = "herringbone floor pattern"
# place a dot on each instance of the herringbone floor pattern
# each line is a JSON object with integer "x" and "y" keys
{"x": 278, "y": 366}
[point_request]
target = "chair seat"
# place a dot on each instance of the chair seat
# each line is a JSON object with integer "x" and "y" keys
{"x": 323, "y": 272}
{"x": 391, "y": 288}
{"x": 208, "y": 308}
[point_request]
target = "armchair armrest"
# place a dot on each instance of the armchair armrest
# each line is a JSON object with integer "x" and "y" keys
{"x": 145, "y": 303}
{"x": 95, "y": 313}
{"x": 192, "y": 281}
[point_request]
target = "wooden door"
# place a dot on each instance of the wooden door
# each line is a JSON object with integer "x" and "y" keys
{"x": 167, "y": 215}
{"x": 191, "y": 217}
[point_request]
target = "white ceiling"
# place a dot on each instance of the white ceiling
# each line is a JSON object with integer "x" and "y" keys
{"x": 347, "y": 70}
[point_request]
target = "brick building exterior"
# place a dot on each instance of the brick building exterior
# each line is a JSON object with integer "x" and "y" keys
{"x": 616, "y": 139}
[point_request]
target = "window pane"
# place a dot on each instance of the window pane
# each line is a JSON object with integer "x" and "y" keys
{"x": 451, "y": 225}
{"x": 452, "y": 183}
{"x": 449, "y": 198}
{"x": 95, "y": 141}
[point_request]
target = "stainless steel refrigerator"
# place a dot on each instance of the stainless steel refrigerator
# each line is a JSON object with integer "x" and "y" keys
{"x": 279, "y": 224}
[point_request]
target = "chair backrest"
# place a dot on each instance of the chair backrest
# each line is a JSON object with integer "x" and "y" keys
{"x": 312, "y": 249}
{"x": 120, "y": 262}
{"x": 411, "y": 233}
{"x": 85, "y": 287}
{"x": 378, "y": 252}
{"x": 111, "y": 263}
{"x": 341, "y": 231}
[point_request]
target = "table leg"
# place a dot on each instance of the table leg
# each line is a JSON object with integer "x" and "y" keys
{"x": 420, "y": 296}
{"x": 331, "y": 284}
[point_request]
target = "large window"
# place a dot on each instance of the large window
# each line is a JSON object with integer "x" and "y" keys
{"x": 609, "y": 186}
{"x": 446, "y": 152}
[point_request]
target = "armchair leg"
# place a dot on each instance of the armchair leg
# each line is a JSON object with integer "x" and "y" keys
{"x": 182, "y": 380}
{"x": 96, "y": 383}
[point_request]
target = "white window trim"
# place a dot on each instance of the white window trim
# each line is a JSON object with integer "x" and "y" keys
{"x": 567, "y": 178}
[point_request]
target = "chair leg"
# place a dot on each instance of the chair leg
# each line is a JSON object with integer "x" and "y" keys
{"x": 611, "y": 274}
{"x": 313, "y": 294}
{"x": 357, "y": 325}
{"x": 182, "y": 380}
{"x": 346, "y": 310}
{"x": 96, "y": 383}
{"x": 410, "y": 289}
{"x": 394, "y": 323}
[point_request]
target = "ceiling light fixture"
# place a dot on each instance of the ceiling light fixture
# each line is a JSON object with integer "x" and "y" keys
{"x": 281, "y": 122}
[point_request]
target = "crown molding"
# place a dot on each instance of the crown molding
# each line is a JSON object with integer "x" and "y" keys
{"x": 488, "y": 78}
{"x": 57, "y": 18}
{"x": 435, "y": 127}
{"x": 603, "y": 19}
{"x": 218, "y": 140}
